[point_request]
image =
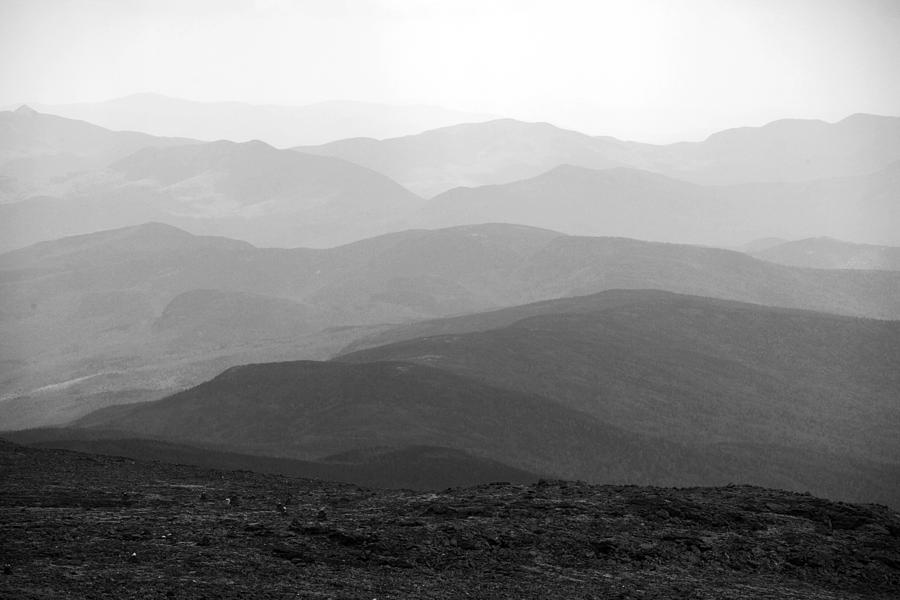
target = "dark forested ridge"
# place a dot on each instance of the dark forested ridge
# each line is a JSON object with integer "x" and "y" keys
{"x": 683, "y": 367}
{"x": 630, "y": 386}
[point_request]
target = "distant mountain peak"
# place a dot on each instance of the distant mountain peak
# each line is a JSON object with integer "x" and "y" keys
{"x": 25, "y": 110}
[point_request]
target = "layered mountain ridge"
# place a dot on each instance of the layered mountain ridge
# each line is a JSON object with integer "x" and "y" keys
{"x": 505, "y": 150}
{"x": 547, "y": 310}
{"x": 790, "y": 179}
{"x": 155, "y": 308}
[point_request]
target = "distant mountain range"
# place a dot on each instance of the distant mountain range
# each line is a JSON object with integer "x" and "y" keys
{"x": 643, "y": 387}
{"x": 78, "y": 178}
{"x": 147, "y": 310}
{"x": 506, "y": 150}
{"x": 472, "y": 154}
{"x": 644, "y": 205}
{"x": 38, "y": 149}
{"x": 29, "y": 134}
{"x": 251, "y": 190}
{"x": 481, "y": 289}
{"x": 280, "y": 126}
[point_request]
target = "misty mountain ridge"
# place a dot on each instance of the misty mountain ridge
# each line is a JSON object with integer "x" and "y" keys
{"x": 656, "y": 386}
{"x": 250, "y": 191}
{"x": 261, "y": 180}
{"x": 36, "y": 149}
{"x": 28, "y": 133}
{"x": 151, "y": 309}
{"x": 634, "y": 203}
{"x": 254, "y": 192}
{"x": 494, "y": 263}
{"x": 505, "y": 150}
{"x": 497, "y": 151}
{"x": 281, "y": 126}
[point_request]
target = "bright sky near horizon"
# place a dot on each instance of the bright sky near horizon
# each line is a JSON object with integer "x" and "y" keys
{"x": 650, "y": 70}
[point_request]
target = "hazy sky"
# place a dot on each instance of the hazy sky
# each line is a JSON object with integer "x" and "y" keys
{"x": 653, "y": 70}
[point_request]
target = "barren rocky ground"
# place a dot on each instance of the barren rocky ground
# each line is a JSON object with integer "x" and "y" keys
{"x": 77, "y": 525}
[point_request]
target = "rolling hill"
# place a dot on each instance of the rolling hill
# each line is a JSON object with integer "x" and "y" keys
{"x": 315, "y": 410}
{"x": 684, "y": 368}
{"x": 310, "y": 410}
{"x": 140, "y": 312}
{"x": 829, "y": 253}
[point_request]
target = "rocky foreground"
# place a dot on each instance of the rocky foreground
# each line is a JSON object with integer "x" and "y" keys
{"x": 85, "y": 526}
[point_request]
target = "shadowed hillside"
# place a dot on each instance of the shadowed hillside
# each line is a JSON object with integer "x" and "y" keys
{"x": 312, "y": 410}
{"x": 684, "y": 368}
